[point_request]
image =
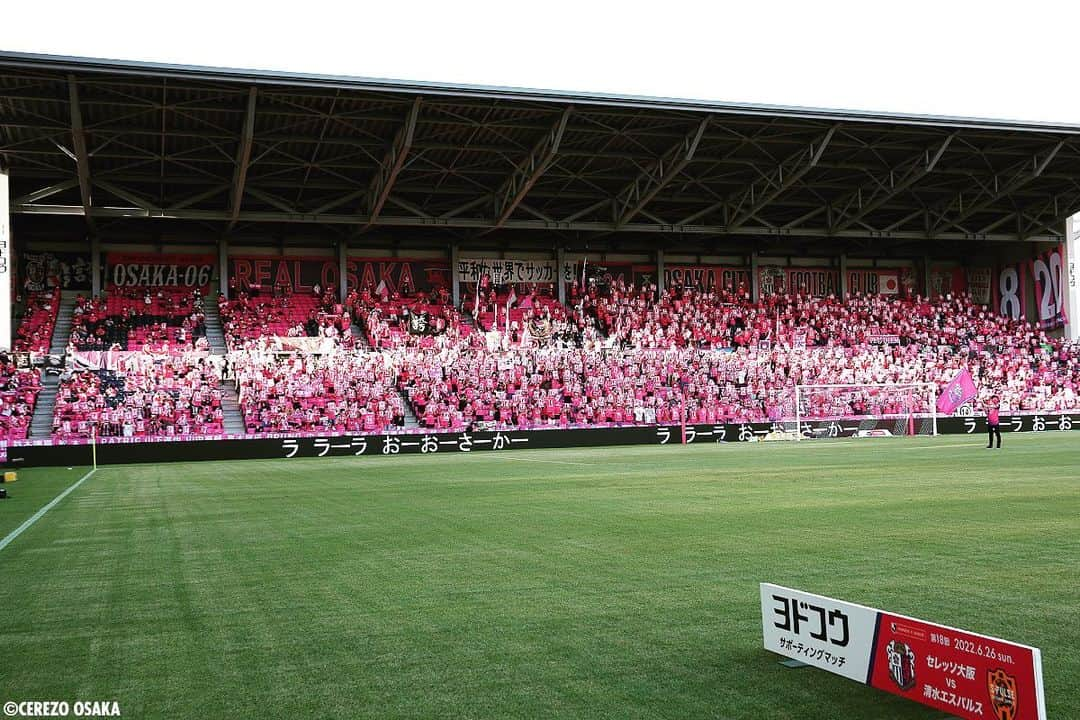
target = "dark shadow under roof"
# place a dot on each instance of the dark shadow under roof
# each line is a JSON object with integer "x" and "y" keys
{"x": 118, "y": 143}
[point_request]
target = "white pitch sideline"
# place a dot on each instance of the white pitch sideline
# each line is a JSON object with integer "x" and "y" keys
{"x": 37, "y": 516}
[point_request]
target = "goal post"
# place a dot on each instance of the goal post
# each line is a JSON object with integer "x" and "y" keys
{"x": 912, "y": 406}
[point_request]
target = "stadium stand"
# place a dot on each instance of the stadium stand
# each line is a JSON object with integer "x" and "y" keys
{"x": 134, "y": 318}
{"x": 409, "y": 320}
{"x": 311, "y": 393}
{"x": 19, "y": 388}
{"x": 612, "y": 358}
{"x": 254, "y": 317}
{"x": 141, "y": 395}
{"x": 527, "y": 314}
{"x": 34, "y": 333}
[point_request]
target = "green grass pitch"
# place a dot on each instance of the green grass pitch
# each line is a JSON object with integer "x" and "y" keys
{"x": 617, "y": 582}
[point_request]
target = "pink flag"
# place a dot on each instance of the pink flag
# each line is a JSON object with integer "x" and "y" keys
{"x": 959, "y": 390}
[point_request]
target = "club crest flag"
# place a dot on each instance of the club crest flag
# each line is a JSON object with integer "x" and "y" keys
{"x": 959, "y": 390}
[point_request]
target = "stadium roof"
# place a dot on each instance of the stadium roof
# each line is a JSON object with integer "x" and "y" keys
{"x": 234, "y": 151}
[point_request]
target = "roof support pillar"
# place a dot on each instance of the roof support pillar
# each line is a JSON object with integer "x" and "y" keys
{"x": 560, "y": 260}
{"x": 342, "y": 266}
{"x": 243, "y": 159}
{"x": 223, "y": 267}
{"x": 383, "y": 181}
{"x": 843, "y": 276}
{"x": 755, "y": 284}
{"x": 660, "y": 271}
{"x": 926, "y": 276}
{"x": 78, "y": 141}
{"x": 455, "y": 283}
{"x": 95, "y": 265}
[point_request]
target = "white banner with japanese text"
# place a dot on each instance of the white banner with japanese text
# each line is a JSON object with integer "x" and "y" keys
{"x": 502, "y": 271}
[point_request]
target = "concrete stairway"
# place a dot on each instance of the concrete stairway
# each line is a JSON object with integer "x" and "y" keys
{"x": 230, "y": 400}
{"x": 411, "y": 421}
{"x": 41, "y": 422}
{"x": 230, "y": 408}
{"x": 214, "y": 332}
{"x": 62, "y": 331}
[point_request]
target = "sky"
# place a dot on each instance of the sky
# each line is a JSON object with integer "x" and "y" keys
{"x": 988, "y": 59}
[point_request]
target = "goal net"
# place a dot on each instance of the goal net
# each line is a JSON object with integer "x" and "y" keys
{"x": 865, "y": 410}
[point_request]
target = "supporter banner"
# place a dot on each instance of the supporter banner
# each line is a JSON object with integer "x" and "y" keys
{"x": 397, "y": 275}
{"x": 601, "y": 273}
{"x": 645, "y": 275}
{"x": 47, "y": 270}
{"x": 909, "y": 282}
{"x": 504, "y": 271}
{"x": 978, "y": 282}
{"x": 816, "y": 282}
{"x": 1047, "y": 270}
{"x": 968, "y": 675}
{"x": 707, "y": 278}
{"x": 946, "y": 280}
{"x": 1009, "y": 292}
{"x": 120, "y": 359}
{"x": 303, "y": 345}
{"x": 883, "y": 339}
{"x": 190, "y": 271}
{"x": 300, "y": 274}
{"x": 877, "y": 282}
{"x": 420, "y": 324}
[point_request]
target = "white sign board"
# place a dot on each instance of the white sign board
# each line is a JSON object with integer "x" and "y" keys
{"x": 1071, "y": 281}
{"x": 970, "y": 676}
{"x": 829, "y": 634}
{"x": 5, "y": 264}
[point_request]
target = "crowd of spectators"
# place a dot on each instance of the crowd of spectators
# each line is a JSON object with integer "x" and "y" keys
{"x": 161, "y": 320}
{"x": 19, "y": 389}
{"x": 525, "y": 314}
{"x": 34, "y": 333}
{"x": 142, "y": 396}
{"x": 618, "y": 356}
{"x": 254, "y": 316}
{"x": 303, "y": 393}
{"x": 406, "y": 319}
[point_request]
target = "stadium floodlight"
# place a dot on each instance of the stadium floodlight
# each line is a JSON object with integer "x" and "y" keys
{"x": 912, "y": 405}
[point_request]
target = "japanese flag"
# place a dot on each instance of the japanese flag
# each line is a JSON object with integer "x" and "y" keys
{"x": 889, "y": 283}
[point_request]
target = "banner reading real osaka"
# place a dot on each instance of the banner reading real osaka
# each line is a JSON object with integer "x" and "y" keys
{"x": 302, "y": 274}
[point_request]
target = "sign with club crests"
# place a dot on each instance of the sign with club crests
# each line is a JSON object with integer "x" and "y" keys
{"x": 968, "y": 675}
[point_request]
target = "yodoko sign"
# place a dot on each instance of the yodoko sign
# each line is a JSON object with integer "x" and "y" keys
{"x": 967, "y": 675}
